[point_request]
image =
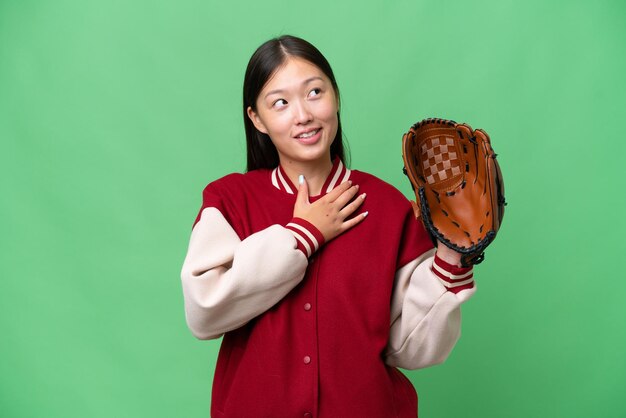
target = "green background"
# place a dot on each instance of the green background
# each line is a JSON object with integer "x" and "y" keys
{"x": 115, "y": 114}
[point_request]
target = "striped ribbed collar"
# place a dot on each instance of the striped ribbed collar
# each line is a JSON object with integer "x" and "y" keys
{"x": 338, "y": 174}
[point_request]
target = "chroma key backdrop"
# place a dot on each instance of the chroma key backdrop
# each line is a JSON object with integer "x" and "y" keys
{"x": 114, "y": 115}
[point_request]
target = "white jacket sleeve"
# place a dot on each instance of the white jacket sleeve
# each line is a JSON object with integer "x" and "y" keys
{"x": 227, "y": 282}
{"x": 425, "y": 311}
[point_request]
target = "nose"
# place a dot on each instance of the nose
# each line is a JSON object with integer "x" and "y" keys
{"x": 301, "y": 113}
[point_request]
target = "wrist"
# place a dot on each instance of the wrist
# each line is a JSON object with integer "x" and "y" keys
{"x": 308, "y": 238}
{"x": 454, "y": 278}
{"x": 448, "y": 255}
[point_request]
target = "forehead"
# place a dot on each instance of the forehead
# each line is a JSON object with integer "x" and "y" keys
{"x": 292, "y": 74}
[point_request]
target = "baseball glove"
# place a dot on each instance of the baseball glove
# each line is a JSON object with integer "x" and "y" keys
{"x": 458, "y": 185}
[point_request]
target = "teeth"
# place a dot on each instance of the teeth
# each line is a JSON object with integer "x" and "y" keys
{"x": 308, "y": 134}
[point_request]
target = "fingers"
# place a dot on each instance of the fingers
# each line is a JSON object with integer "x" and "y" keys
{"x": 338, "y": 191}
{"x": 329, "y": 213}
{"x": 344, "y": 203}
{"x": 416, "y": 209}
{"x": 349, "y": 209}
{"x": 352, "y": 206}
{"x": 354, "y": 221}
{"x": 346, "y": 196}
{"x": 303, "y": 191}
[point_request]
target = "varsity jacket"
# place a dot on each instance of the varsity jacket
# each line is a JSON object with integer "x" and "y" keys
{"x": 314, "y": 328}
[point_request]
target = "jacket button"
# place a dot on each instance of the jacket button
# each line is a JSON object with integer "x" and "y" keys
{"x": 306, "y": 359}
{"x": 307, "y": 306}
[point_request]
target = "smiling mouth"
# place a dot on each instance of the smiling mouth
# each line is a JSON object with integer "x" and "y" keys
{"x": 308, "y": 134}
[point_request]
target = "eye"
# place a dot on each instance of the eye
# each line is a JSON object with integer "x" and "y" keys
{"x": 315, "y": 92}
{"x": 280, "y": 103}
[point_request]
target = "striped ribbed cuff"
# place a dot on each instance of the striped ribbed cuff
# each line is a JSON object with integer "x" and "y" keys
{"x": 452, "y": 277}
{"x": 308, "y": 237}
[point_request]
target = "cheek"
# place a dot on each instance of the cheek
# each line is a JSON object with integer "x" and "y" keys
{"x": 277, "y": 124}
{"x": 331, "y": 116}
{"x": 328, "y": 112}
{"x": 332, "y": 124}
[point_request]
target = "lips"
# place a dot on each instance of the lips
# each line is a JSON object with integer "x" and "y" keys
{"x": 307, "y": 133}
{"x": 309, "y": 136}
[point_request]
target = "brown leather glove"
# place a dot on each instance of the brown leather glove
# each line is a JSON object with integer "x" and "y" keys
{"x": 458, "y": 184}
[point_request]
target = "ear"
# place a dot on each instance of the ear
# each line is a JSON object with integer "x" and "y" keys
{"x": 256, "y": 120}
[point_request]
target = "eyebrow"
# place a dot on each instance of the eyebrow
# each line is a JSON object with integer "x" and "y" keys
{"x": 307, "y": 81}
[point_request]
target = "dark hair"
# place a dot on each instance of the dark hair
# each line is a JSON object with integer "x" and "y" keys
{"x": 266, "y": 59}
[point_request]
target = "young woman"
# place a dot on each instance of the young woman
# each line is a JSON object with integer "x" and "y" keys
{"x": 319, "y": 278}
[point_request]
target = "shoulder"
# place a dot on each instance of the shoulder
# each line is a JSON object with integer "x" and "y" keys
{"x": 230, "y": 193}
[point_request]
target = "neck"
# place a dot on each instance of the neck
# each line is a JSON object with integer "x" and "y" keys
{"x": 315, "y": 172}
